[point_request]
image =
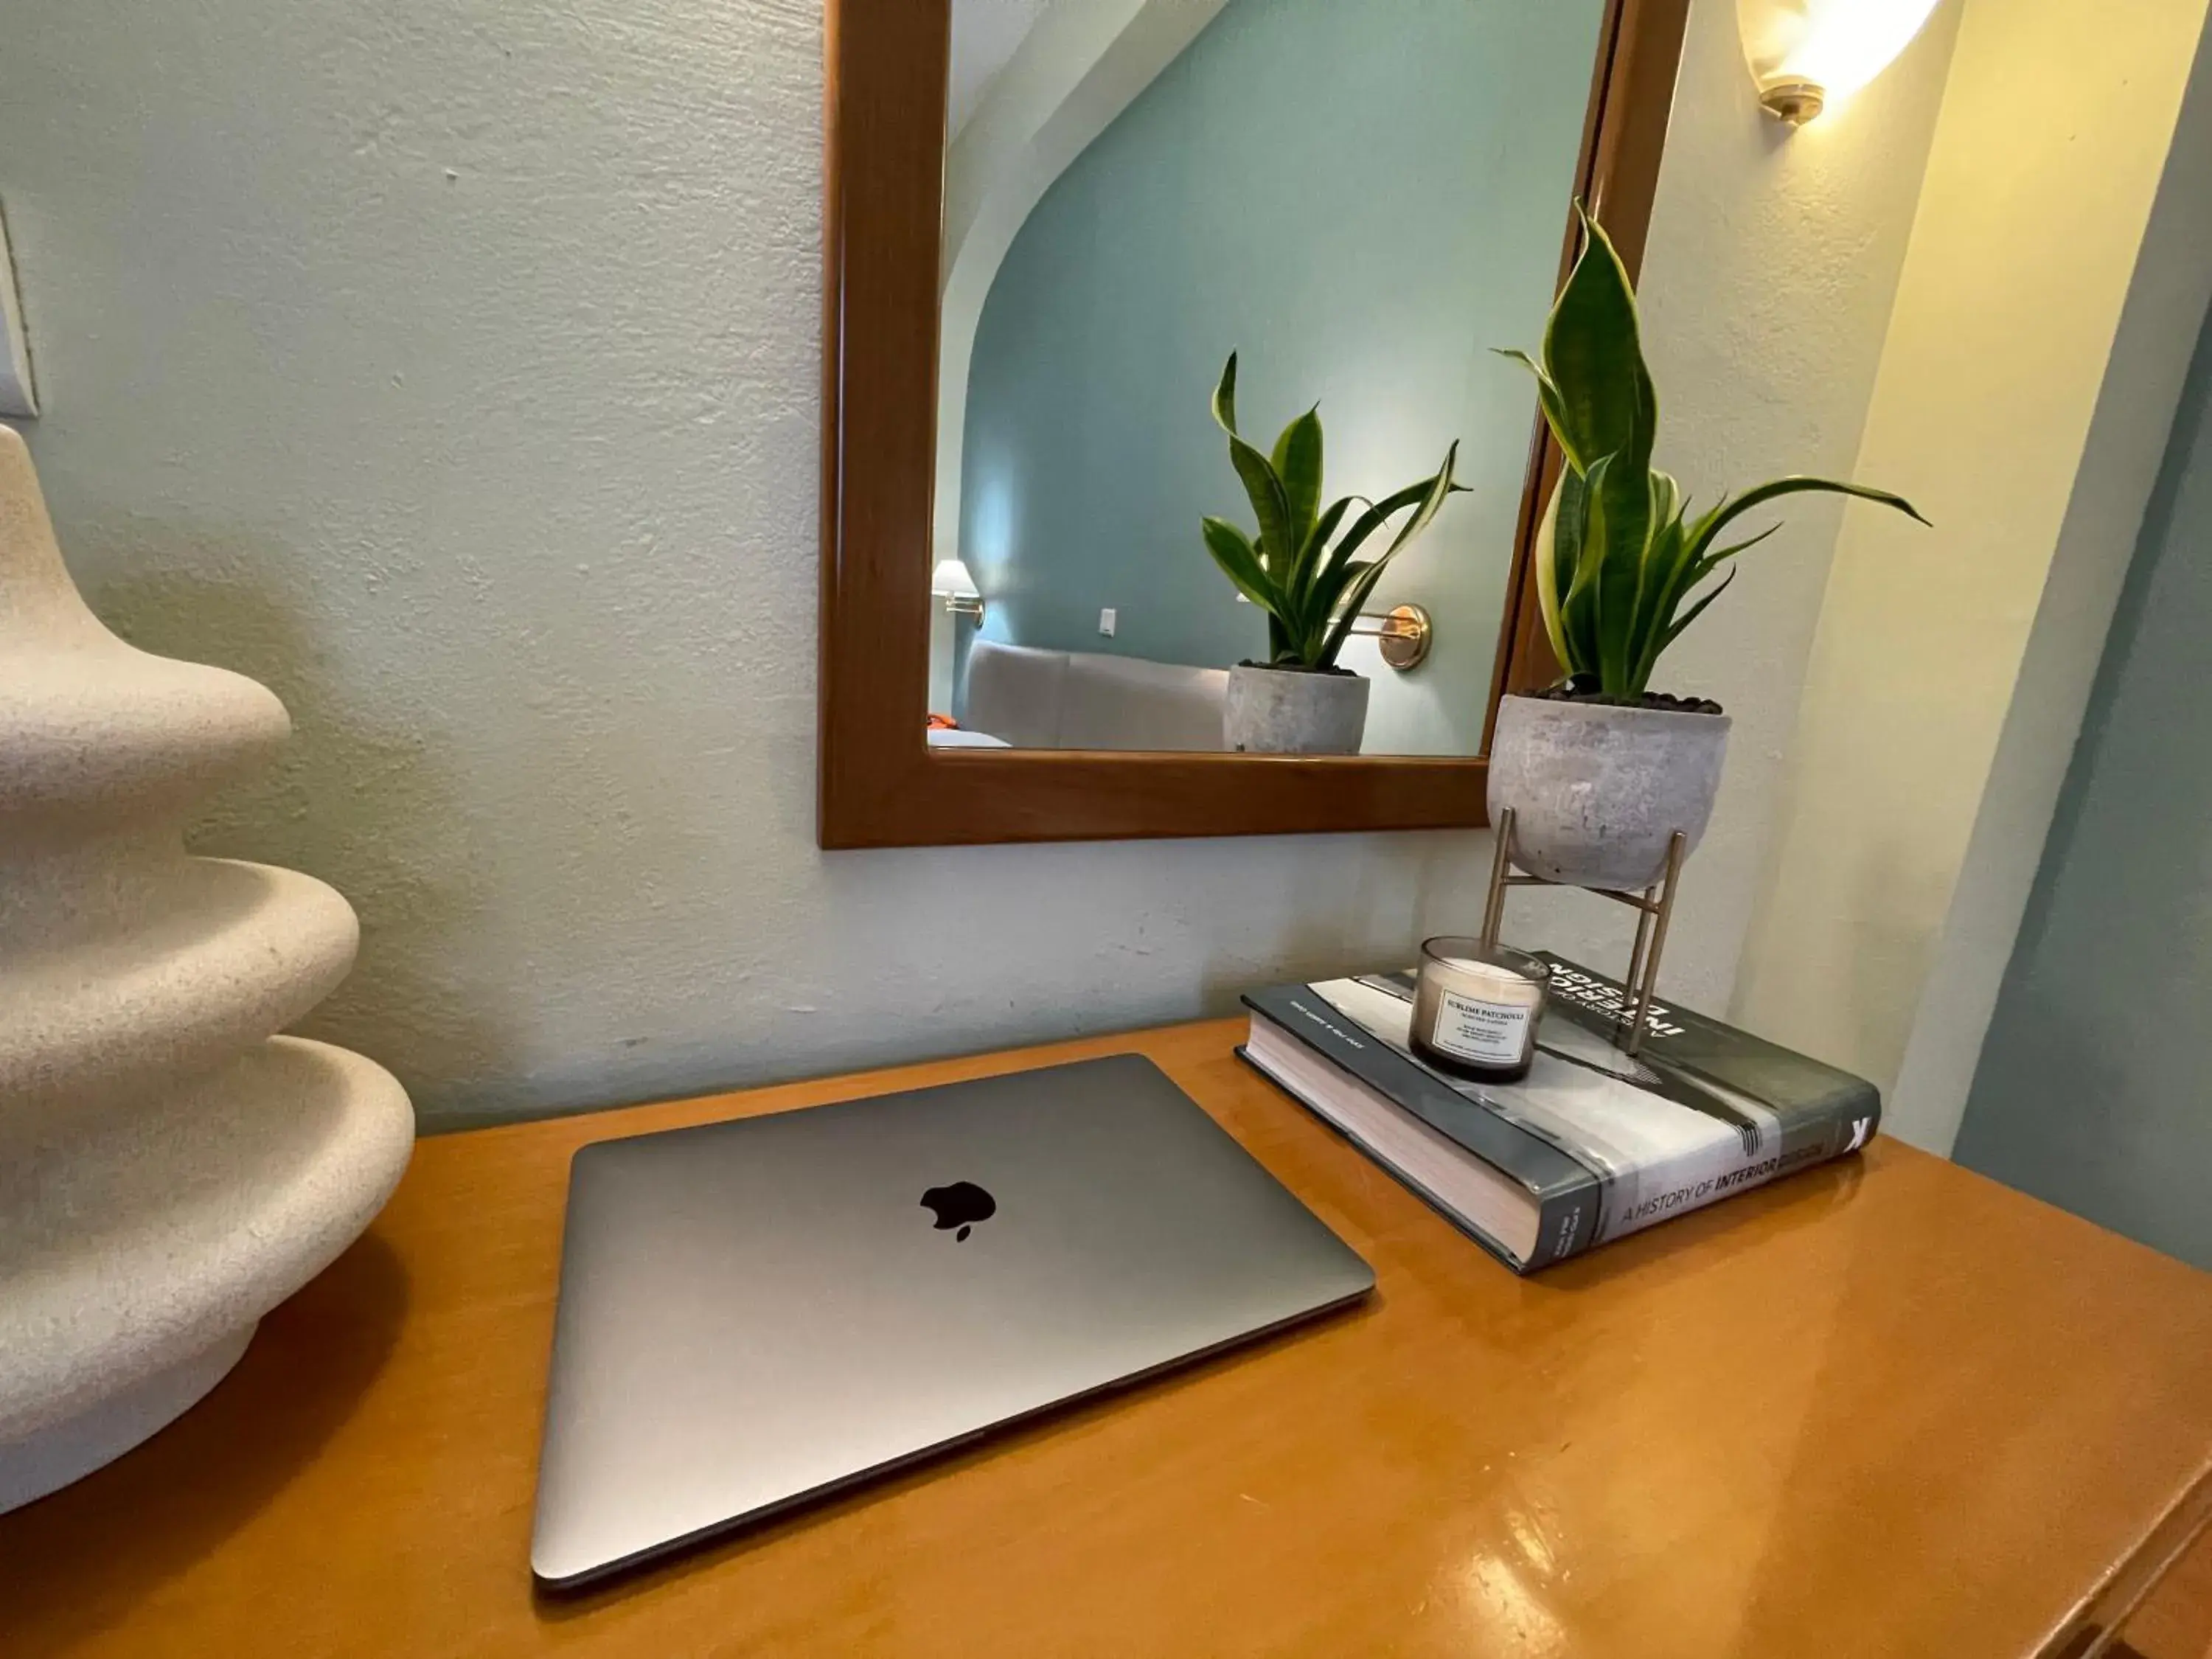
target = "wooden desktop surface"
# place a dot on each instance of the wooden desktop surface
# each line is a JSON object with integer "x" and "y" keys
{"x": 1886, "y": 1408}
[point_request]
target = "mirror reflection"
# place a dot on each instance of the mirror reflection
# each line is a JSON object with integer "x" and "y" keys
{"x": 1356, "y": 198}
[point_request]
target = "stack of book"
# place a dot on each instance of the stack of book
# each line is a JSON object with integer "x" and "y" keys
{"x": 1593, "y": 1144}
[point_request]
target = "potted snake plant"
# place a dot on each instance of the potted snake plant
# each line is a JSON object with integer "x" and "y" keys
{"x": 1303, "y": 569}
{"x": 1600, "y": 770}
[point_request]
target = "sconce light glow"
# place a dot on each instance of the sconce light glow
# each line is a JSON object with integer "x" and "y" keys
{"x": 950, "y": 579}
{"x": 1807, "y": 55}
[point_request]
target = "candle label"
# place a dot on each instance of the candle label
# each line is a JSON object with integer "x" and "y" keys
{"x": 1494, "y": 1033}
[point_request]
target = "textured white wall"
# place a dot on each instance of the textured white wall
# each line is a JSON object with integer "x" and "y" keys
{"x": 451, "y": 367}
{"x": 2023, "y": 403}
{"x": 1767, "y": 286}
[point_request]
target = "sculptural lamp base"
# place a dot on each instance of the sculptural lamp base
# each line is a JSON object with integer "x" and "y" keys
{"x": 52, "y": 1459}
{"x": 173, "y": 1169}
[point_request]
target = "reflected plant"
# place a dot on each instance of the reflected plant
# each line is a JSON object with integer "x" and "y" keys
{"x": 1617, "y": 559}
{"x": 1307, "y": 578}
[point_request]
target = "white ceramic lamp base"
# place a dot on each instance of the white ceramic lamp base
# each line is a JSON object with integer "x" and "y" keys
{"x": 169, "y": 1170}
{"x": 72, "y": 1451}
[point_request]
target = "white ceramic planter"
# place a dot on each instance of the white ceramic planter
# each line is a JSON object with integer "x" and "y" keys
{"x": 1293, "y": 711}
{"x": 169, "y": 1172}
{"x": 1597, "y": 791}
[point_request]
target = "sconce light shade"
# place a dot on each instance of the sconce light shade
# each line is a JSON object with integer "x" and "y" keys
{"x": 1808, "y": 54}
{"x": 951, "y": 583}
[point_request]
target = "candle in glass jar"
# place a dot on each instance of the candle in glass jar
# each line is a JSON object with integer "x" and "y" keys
{"x": 1476, "y": 1008}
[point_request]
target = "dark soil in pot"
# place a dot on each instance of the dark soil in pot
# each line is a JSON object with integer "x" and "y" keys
{"x": 1585, "y": 689}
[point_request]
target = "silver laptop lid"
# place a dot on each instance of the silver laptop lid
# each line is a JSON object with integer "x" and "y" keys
{"x": 756, "y": 1312}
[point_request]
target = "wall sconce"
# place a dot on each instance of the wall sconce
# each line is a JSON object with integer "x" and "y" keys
{"x": 1808, "y": 54}
{"x": 1402, "y": 633}
{"x": 950, "y": 582}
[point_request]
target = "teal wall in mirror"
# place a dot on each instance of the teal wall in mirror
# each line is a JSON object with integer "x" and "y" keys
{"x": 1362, "y": 199}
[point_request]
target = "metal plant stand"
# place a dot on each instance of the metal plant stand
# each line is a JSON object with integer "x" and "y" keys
{"x": 1654, "y": 906}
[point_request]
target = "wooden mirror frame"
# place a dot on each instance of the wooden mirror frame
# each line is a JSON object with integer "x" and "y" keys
{"x": 880, "y": 784}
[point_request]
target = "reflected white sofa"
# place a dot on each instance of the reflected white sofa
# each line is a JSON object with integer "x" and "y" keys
{"x": 1037, "y": 699}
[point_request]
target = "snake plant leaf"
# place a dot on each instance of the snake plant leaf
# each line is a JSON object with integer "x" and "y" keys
{"x": 1627, "y": 494}
{"x": 1710, "y": 525}
{"x": 1324, "y": 530}
{"x": 1324, "y": 596}
{"x": 1705, "y": 566}
{"x": 1225, "y": 397}
{"x": 1666, "y": 552}
{"x": 1666, "y": 498}
{"x": 1668, "y": 522}
{"x": 1427, "y": 498}
{"x": 1335, "y": 570}
{"x": 1547, "y": 399}
{"x": 1594, "y": 530}
{"x": 1296, "y": 462}
{"x": 1675, "y": 629}
{"x": 1232, "y": 550}
{"x": 1720, "y": 553}
{"x": 1593, "y": 354}
{"x": 1625, "y": 644}
{"x": 1579, "y": 608}
{"x": 1618, "y": 554}
{"x": 1668, "y": 571}
{"x": 1308, "y": 579}
{"x": 1378, "y": 514}
{"x": 1355, "y": 598}
{"x": 1275, "y": 546}
{"x": 1270, "y": 505}
{"x": 1318, "y": 607}
{"x": 1334, "y": 581}
{"x": 1559, "y": 553}
{"x": 1623, "y": 517}
{"x": 1692, "y": 573}
{"x": 1441, "y": 488}
{"x": 1309, "y": 557}
{"x": 1598, "y": 399}
{"x": 1677, "y": 571}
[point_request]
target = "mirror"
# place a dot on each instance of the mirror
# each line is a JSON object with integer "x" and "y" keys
{"x": 1361, "y": 198}
{"x": 1134, "y": 188}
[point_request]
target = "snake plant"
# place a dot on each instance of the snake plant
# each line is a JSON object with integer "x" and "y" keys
{"x": 1311, "y": 590}
{"x": 1619, "y": 558}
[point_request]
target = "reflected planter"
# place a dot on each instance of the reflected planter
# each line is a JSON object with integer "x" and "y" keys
{"x": 1598, "y": 790}
{"x": 1294, "y": 711}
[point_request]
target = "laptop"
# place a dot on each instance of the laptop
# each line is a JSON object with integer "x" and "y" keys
{"x": 757, "y": 1312}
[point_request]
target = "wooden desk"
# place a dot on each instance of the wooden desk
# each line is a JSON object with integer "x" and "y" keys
{"x": 1888, "y": 1408}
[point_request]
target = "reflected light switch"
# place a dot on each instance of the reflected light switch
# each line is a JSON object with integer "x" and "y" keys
{"x": 1106, "y": 621}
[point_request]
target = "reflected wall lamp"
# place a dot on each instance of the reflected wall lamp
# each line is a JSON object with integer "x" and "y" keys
{"x": 1402, "y": 633}
{"x": 1808, "y": 54}
{"x": 951, "y": 583}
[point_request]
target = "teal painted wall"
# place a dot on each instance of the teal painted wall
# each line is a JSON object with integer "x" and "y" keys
{"x": 1362, "y": 199}
{"x": 2094, "y": 1089}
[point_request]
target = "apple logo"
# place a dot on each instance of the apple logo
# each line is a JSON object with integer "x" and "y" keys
{"x": 962, "y": 1205}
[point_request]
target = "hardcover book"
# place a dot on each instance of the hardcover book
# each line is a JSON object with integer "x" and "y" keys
{"x": 1593, "y": 1144}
